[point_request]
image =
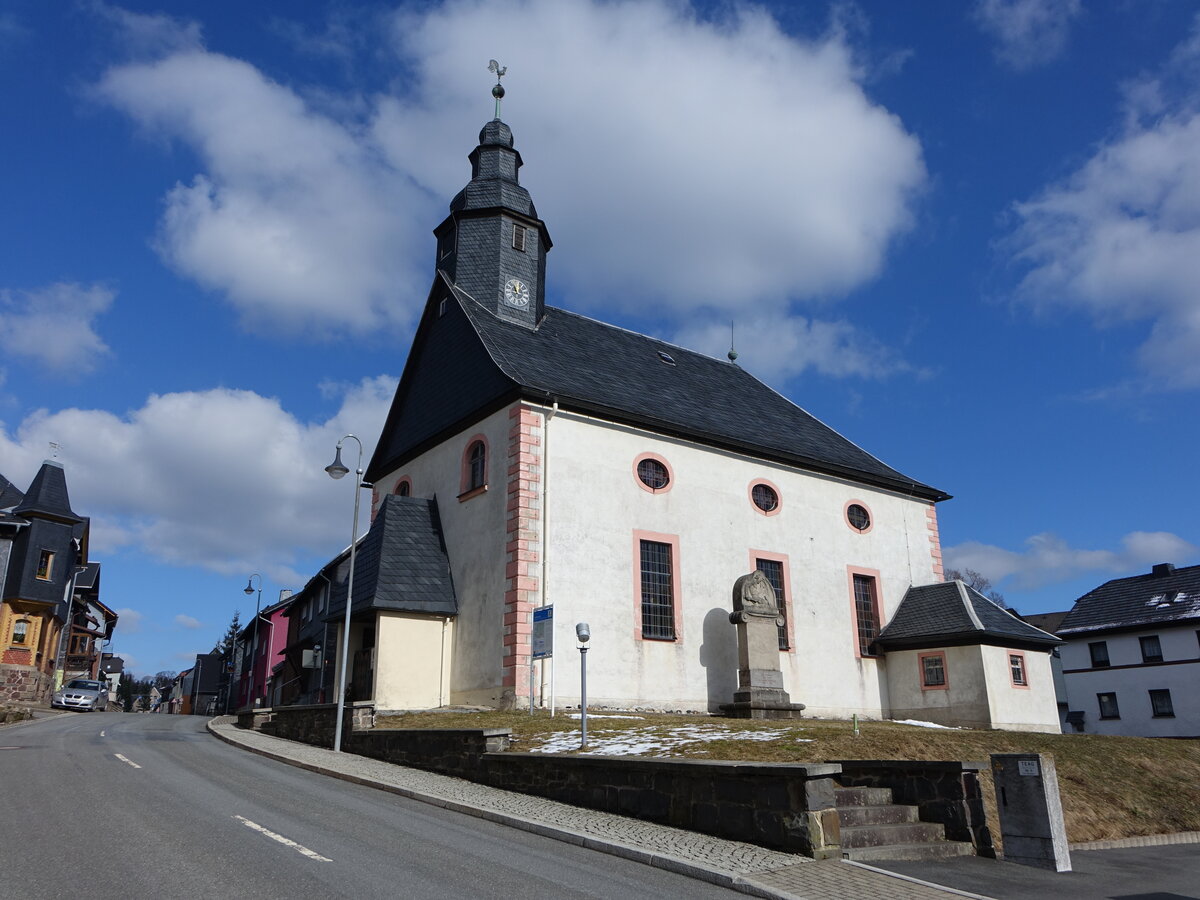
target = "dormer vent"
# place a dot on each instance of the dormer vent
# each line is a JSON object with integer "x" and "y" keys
{"x": 666, "y": 357}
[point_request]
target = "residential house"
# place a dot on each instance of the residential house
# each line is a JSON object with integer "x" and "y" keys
{"x": 1131, "y": 661}
{"x": 262, "y": 642}
{"x": 536, "y": 457}
{"x": 51, "y": 618}
{"x": 201, "y": 685}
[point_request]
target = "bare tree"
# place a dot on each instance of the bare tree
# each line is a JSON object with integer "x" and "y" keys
{"x": 979, "y": 582}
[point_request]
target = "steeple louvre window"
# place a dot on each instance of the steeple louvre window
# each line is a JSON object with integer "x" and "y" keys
{"x": 519, "y": 237}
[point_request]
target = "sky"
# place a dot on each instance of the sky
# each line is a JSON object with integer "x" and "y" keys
{"x": 966, "y": 235}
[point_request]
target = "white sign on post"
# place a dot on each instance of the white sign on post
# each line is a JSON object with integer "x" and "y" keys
{"x": 543, "y": 632}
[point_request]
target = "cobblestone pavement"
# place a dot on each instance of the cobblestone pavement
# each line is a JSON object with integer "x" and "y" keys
{"x": 744, "y": 867}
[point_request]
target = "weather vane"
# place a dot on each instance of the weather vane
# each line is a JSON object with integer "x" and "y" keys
{"x": 498, "y": 90}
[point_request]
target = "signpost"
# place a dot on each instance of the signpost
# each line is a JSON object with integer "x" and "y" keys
{"x": 541, "y": 642}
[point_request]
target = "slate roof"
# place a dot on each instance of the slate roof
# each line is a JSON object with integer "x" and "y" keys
{"x": 593, "y": 366}
{"x": 952, "y": 614}
{"x": 401, "y": 564}
{"x": 9, "y": 495}
{"x": 47, "y": 495}
{"x": 1170, "y": 597}
{"x": 1048, "y": 622}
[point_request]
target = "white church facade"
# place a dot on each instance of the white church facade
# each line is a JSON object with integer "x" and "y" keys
{"x": 534, "y": 456}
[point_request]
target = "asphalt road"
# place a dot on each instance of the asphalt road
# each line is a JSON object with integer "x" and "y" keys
{"x": 113, "y": 805}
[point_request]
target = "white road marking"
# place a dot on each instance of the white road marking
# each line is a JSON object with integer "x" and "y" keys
{"x": 102, "y": 734}
{"x": 125, "y": 760}
{"x": 311, "y": 854}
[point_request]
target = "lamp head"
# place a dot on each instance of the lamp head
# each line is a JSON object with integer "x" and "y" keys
{"x": 337, "y": 468}
{"x": 249, "y": 589}
{"x": 583, "y": 633}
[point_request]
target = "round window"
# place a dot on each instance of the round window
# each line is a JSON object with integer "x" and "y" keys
{"x": 765, "y": 497}
{"x": 858, "y": 516}
{"x": 653, "y": 474}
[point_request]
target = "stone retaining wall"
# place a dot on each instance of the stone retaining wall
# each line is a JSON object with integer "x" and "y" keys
{"x": 946, "y": 792}
{"x": 313, "y": 724}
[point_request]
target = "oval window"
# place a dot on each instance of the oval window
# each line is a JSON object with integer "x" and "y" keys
{"x": 858, "y": 517}
{"x": 765, "y": 498}
{"x": 653, "y": 474}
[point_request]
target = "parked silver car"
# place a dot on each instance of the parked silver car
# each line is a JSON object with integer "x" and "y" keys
{"x": 81, "y": 693}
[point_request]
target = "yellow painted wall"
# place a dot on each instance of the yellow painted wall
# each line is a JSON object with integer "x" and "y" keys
{"x": 412, "y": 661}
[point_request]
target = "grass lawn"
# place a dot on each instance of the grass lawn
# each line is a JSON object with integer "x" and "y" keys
{"x": 1111, "y": 787}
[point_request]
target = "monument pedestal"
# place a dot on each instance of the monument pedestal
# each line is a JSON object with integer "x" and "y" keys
{"x": 760, "y": 693}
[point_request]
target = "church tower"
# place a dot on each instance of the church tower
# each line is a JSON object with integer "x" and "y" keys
{"x": 493, "y": 245}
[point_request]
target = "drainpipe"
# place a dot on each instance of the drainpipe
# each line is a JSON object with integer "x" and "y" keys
{"x": 545, "y": 480}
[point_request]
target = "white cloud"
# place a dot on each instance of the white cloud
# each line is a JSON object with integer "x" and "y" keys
{"x": 222, "y": 479}
{"x": 719, "y": 164}
{"x": 130, "y": 621}
{"x": 1120, "y": 237}
{"x": 1048, "y": 559}
{"x": 295, "y": 218}
{"x": 55, "y": 325}
{"x": 778, "y": 348}
{"x": 1028, "y": 33}
{"x": 186, "y": 621}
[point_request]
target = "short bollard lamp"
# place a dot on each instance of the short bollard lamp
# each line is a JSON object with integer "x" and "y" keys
{"x": 584, "y": 634}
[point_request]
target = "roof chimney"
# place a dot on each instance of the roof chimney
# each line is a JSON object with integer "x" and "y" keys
{"x": 1163, "y": 569}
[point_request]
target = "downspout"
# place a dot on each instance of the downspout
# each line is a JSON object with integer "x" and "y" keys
{"x": 542, "y": 583}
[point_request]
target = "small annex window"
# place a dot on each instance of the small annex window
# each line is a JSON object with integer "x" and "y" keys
{"x": 765, "y": 497}
{"x": 20, "y": 632}
{"x": 1108, "y": 706}
{"x": 858, "y": 517}
{"x": 519, "y": 237}
{"x": 1151, "y": 649}
{"x": 653, "y": 473}
{"x": 1099, "y": 654}
{"x": 1160, "y": 704}
{"x": 1016, "y": 670}
{"x": 933, "y": 671}
{"x": 45, "y": 568}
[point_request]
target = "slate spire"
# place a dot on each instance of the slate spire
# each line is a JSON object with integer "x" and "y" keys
{"x": 47, "y": 495}
{"x": 493, "y": 245}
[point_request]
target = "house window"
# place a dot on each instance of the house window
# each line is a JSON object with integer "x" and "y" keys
{"x": 45, "y": 567}
{"x": 765, "y": 497}
{"x": 1108, "y": 706}
{"x": 1016, "y": 669}
{"x": 20, "y": 632}
{"x": 858, "y": 517}
{"x": 1160, "y": 702}
{"x": 442, "y": 307}
{"x": 658, "y": 590}
{"x": 1099, "y": 651}
{"x": 653, "y": 473}
{"x": 519, "y": 237}
{"x": 773, "y": 569}
{"x": 322, "y": 598}
{"x": 1151, "y": 649}
{"x": 933, "y": 671}
{"x": 866, "y": 613}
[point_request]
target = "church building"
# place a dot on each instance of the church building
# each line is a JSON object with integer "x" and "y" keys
{"x": 533, "y": 456}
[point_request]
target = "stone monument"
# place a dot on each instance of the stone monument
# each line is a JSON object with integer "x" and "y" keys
{"x": 760, "y": 693}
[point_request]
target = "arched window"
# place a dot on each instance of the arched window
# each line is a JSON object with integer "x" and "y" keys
{"x": 404, "y": 487}
{"x": 476, "y": 466}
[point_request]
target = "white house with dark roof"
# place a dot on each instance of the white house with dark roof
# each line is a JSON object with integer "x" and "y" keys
{"x": 1131, "y": 661}
{"x": 628, "y": 483}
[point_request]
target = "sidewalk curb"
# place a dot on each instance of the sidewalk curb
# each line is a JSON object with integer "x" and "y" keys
{"x": 590, "y": 842}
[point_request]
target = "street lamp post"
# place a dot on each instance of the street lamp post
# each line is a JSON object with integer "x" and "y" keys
{"x": 337, "y": 469}
{"x": 248, "y": 590}
{"x": 584, "y": 634}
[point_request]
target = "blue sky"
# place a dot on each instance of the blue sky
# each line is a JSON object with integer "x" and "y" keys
{"x": 966, "y": 235}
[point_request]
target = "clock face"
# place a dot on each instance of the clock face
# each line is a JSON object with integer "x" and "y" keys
{"x": 516, "y": 293}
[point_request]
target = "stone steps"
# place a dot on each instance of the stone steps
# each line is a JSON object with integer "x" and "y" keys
{"x": 874, "y": 827}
